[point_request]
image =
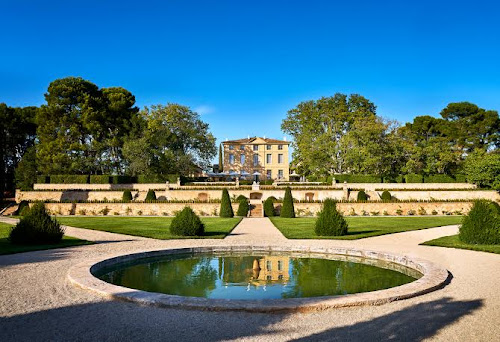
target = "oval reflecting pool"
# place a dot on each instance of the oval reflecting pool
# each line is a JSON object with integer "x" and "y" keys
{"x": 257, "y": 276}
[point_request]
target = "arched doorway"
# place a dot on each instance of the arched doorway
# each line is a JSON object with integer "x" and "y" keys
{"x": 309, "y": 196}
{"x": 256, "y": 195}
{"x": 203, "y": 196}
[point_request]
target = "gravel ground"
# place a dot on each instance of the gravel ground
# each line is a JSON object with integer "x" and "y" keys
{"x": 37, "y": 303}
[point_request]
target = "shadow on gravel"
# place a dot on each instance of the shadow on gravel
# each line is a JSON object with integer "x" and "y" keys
{"x": 121, "y": 321}
{"x": 415, "y": 323}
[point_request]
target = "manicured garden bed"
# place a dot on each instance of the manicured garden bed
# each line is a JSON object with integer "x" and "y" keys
{"x": 7, "y": 248}
{"x": 150, "y": 227}
{"x": 453, "y": 241}
{"x": 361, "y": 227}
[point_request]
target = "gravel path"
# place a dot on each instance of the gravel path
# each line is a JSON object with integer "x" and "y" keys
{"x": 37, "y": 303}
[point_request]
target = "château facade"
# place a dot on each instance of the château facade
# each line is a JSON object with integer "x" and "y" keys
{"x": 268, "y": 157}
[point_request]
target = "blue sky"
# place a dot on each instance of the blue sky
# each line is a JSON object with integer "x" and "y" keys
{"x": 243, "y": 64}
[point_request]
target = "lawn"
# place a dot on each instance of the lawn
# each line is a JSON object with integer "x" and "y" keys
{"x": 361, "y": 227}
{"x": 151, "y": 227}
{"x": 453, "y": 241}
{"x": 7, "y": 248}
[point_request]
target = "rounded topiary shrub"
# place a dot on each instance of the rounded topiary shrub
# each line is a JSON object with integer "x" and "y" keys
{"x": 37, "y": 228}
{"x": 187, "y": 223}
{"x": 269, "y": 207}
{"x": 362, "y": 196}
{"x": 127, "y": 196}
{"x": 386, "y": 196}
{"x": 226, "y": 210}
{"x": 150, "y": 196}
{"x": 482, "y": 224}
{"x": 287, "y": 209}
{"x": 243, "y": 208}
{"x": 330, "y": 222}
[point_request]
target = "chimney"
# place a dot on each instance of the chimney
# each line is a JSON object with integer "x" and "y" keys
{"x": 264, "y": 136}
{"x": 284, "y": 138}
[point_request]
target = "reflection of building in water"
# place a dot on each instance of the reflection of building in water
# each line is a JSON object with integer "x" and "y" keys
{"x": 274, "y": 268}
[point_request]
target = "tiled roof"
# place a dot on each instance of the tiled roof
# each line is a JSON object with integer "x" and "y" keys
{"x": 252, "y": 139}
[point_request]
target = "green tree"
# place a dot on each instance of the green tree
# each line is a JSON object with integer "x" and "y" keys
{"x": 26, "y": 170}
{"x": 187, "y": 223}
{"x": 317, "y": 128}
{"x": 472, "y": 127}
{"x": 287, "y": 209}
{"x": 174, "y": 140}
{"x": 17, "y": 135}
{"x": 150, "y": 196}
{"x": 81, "y": 128}
{"x": 226, "y": 210}
{"x": 269, "y": 207}
{"x": 330, "y": 222}
{"x": 483, "y": 168}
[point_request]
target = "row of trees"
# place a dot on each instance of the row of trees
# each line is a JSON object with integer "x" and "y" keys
{"x": 343, "y": 134}
{"x": 84, "y": 129}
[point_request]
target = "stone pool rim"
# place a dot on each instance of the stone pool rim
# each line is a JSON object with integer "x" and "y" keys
{"x": 433, "y": 277}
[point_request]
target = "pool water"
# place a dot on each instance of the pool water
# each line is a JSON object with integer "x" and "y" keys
{"x": 263, "y": 276}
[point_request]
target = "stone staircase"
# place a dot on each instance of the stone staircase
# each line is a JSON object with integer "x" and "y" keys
{"x": 256, "y": 210}
{"x": 9, "y": 210}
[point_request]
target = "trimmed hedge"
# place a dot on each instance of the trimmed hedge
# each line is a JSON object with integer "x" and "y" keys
{"x": 69, "y": 179}
{"x": 157, "y": 178}
{"x": 269, "y": 207}
{"x": 362, "y": 196}
{"x": 187, "y": 223}
{"x": 44, "y": 179}
{"x": 100, "y": 179}
{"x": 386, "y": 196}
{"x": 414, "y": 178}
{"x": 330, "y": 222}
{"x": 444, "y": 179}
{"x": 123, "y": 179}
{"x": 127, "y": 196}
{"x": 357, "y": 178}
{"x": 150, "y": 196}
{"x": 243, "y": 208}
{"x": 37, "y": 228}
{"x": 226, "y": 210}
{"x": 287, "y": 209}
{"x": 482, "y": 224}
{"x": 241, "y": 198}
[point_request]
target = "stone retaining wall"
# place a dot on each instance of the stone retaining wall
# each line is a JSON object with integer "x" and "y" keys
{"x": 186, "y": 195}
{"x": 212, "y": 209}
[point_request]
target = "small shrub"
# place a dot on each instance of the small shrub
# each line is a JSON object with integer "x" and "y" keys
{"x": 330, "y": 222}
{"x": 364, "y": 213}
{"x": 375, "y": 213}
{"x": 104, "y": 211}
{"x": 139, "y": 213}
{"x": 287, "y": 209}
{"x": 243, "y": 208}
{"x": 116, "y": 213}
{"x": 386, "y": 196}
{"x": 214, "y": 212}
{"x": 187, "y": 223}
{"x": 385, "y": 213}
{"x": 127, "y": 196}
{"x": 226, "y": 210}
{"x": 410, "y": 212}
{"x": 269, "y": 207}
{"x": 422, "y": 211}
{"x": 481, "y": 225}
{"x": 353, "y": 212}
{"x": 128, "y": 211}
{"x": 399, "y": 212}
{"x": 457, "y": 212}
{"x": 82, "y": 212}
{"x": 150, "y": 196}
{"x": 362, "y": 196}
{"x": 434, "y": 212}
{"x": 37, "y": 227}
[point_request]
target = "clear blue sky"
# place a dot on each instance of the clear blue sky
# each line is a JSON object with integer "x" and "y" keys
{"x": 243, "y": 64}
